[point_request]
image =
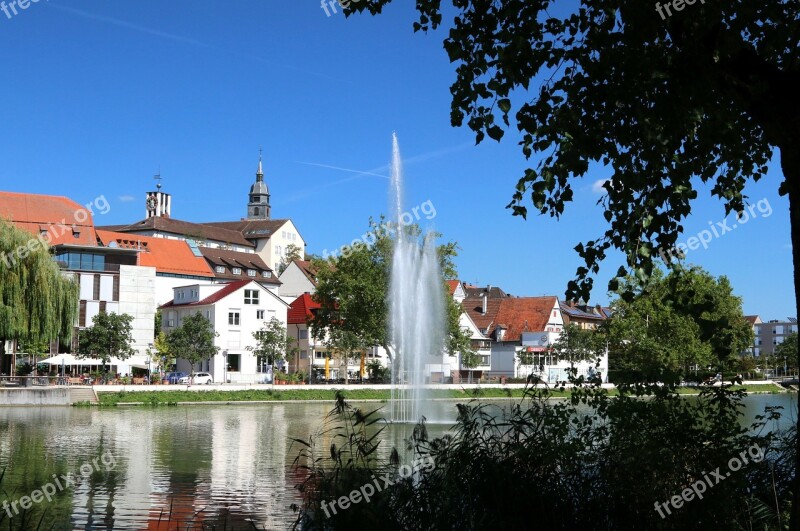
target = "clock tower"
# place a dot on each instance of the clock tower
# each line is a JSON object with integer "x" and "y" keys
{"x": 158, "y": 203}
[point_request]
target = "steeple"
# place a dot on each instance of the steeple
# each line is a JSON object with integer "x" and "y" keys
{"x": 258, "y": 205}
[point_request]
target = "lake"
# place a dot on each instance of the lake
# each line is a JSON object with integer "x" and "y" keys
{"x": 133, "y": 467}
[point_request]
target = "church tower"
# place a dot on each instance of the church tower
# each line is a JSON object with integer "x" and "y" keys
{"x": 258, "y": 206}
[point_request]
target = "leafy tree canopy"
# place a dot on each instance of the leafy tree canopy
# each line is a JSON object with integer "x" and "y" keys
{"x": 193, "y": 340}
{"x": 272, "y": 342}
{"x": 110, "y": 336}
{"x": 293, "y": 252}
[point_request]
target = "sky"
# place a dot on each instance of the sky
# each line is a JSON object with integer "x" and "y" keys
{"x": 98, "y": 97}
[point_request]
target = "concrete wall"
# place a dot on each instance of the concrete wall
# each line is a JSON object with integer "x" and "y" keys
{"x": 35, "y": 397}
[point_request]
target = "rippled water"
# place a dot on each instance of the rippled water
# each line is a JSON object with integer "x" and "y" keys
{"x": 223, "y": 465}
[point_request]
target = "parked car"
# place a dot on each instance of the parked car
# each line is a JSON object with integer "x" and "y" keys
{"x": 174, "y": 377}
{"x": 200, "y": 378}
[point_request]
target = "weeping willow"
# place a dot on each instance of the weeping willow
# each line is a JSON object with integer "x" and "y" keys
{"x": 37, "y": 301}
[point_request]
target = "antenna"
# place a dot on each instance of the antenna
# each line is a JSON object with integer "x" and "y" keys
{"x": 157, "y": 177}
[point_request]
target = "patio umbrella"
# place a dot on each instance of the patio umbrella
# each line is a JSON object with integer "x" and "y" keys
{"x": 361, "y": 369}
{"x": 327, "y": 367}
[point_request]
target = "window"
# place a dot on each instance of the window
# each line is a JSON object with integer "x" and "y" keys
{"x": 251, "y": 272}
{"x": 303, "y": 354}
{"x": 251, "y": 296}
{"x": 96, "y": 288}
{"x": 319, "y": 355}
{"x": 234, "y": 362}
{"x": 208, "y": 315}
{"x": 255, "y": 211}
{"x": 260, "y": 315}
{"x": 266, "y": 274}
{"x": 278, "y": 250}
{"x": 115, "y": 289}
{"x": 233, "y": 318}
{"x": 236, "y": 270}
{"x": 219, "y": 269}
{"x": 82, "y": 314}
{"x": 283, "y": 234}
{"x": 102, "y": 306}
{"x": 304, "y": 334}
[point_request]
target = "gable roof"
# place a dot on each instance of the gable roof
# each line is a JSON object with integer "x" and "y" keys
{"x": 753, "y": 319}
{"x": 493, "y": 292}
{"x": 524, "y": 314}
{"x": 307, "y": 269}
{"x": 167, "y": 256}
{"x": 300, "y": 309}
{"x": 214, "y": 297}
{"x": 251, "y": 228}
{"x": 453, "y": 285}
{"x": 186, "y": 229}
{"x": 474, "y": 308}
{"x": 244, "y": 261}
{"x": 584, "y": 311}
{"x": 57, "y": 215}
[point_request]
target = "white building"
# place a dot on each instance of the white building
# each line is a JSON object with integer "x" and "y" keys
{"x": 236, "y": 310}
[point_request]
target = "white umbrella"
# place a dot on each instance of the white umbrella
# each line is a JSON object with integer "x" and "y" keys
{"x": 69, "y": 359}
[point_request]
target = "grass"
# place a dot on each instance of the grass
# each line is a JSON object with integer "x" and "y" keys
{"x": 158, "y": 398}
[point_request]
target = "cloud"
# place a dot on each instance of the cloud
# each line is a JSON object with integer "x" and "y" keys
{"x": 597, "y": 187}
{"x": 127, "y": 198}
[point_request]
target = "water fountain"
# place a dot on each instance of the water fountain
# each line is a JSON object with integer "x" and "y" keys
{"x": 416, "y": 310}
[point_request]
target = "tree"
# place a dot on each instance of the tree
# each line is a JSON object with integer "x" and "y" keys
{"x": 110, "y": 336}
{"x": 273, "y": 345}
{"x": 193, "y": 340}
{"x": 469, "y": 360}
{"x": 785, "y": 351}
{"x": 663, "y": 101}
{"x": 685, "y": 319}
{"x": 344, "y": 346}
{"x": 37, "y": 301}
{"x": 353, "y": 288}
{"x": 292, "y": 253}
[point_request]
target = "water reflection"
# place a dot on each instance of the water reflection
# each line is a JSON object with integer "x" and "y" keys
{"x": 228, "y": 466}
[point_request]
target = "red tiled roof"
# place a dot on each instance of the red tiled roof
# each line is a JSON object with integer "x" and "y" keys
{"x": 520, "y": 314}
{"x": 453, "y": 285}
{"x": 211, "y": 299}
{"x": 167, "y": 256}
{"x": 57, "y": 215}
{"x": 752, "y": 319}
{"x": 474, "y": 306}
{"x": 300, "y": 309}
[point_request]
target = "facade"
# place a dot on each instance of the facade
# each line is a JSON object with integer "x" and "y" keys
{"x": 236, "y": 310}
{"x": 110, "y": 278}
{"x": 770, "y": 334}
{"x": 584, "y": 316}
{"x": 298, "y": 278}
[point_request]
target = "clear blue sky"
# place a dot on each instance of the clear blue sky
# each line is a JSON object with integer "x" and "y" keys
{"x": 97, "y": 96}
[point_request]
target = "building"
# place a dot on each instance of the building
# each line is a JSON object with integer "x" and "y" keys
{"x": 236, "y": 310}
{"x": 584, "y": 316}
{"x": 770, "y": 334}
{"x": 299, "y": 277}
{"x": 110, "y": 278}
{"x": 301, "y": 312}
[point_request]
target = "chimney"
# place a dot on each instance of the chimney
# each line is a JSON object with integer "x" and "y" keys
{"x": 483, "y": 306}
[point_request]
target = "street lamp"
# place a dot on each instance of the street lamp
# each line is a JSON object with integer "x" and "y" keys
{"x": 224, "y": 366}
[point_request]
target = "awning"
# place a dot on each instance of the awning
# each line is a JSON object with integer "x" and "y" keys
{"x": 69, "y": 359}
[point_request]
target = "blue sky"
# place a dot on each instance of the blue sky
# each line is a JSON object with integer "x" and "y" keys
{"x": 98, "y": 96}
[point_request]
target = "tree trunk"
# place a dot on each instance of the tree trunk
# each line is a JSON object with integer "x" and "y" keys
{"x": 790, "y": 164}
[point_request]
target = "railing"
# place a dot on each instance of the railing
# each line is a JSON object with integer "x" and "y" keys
{"x": 35, "y": 381}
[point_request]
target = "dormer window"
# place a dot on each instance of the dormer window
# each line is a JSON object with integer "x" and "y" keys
{"x": 236, "y": 270}
{"x": 251, "y": 272}
{"x": 266, "y": 274}
{"x": 219, "y": 269}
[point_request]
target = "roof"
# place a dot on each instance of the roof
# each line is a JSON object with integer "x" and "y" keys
{"x": 244, "y": 261}
{"x": 199, "y": 231}
{"x": 493, "y": 292}
{"x": 167, "y": 256}
{"x": 215, "y": 297}
{"x": 474, "y": 308}
{"x": 585, "y": 311}
{"x": 753, "y": 319}
{"x": 65, "y": 221}
{"x": 524, "y": 314}
{"x": 300, "y": 309}
{"x": 453, "y": 285}
{"x": 251, "y": 228}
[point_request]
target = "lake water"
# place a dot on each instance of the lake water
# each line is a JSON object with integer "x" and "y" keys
{"x": 202, "y": 464}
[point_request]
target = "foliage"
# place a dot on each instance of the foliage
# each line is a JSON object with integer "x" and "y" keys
{"x": 345, "y": 346}
{"x": 594, "y": 462}
{"x": 685, "y": 319}
{"x": 656, "y": 100}
{"x": 787, "y": 349}
{"x": 292, "y": 253}
{"x": 353, "y": 288}
{"x": 193, "y": 340}
{"x": 110, "y": 336}
{"x": 272, "y": 343}
{"x": 37, "y": 301}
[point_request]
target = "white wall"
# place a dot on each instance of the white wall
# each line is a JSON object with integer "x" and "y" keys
{"x": 295, "y": 282}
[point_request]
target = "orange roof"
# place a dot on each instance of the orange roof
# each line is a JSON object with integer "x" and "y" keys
{"x": 167, "y": 256}
{"x": 453, "y": 285}
{"x": 300, "y": 310}
{"x": 524, "y": 314}
{"x": 64, "y": 220}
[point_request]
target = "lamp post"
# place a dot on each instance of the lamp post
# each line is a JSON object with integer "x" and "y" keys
{"x": 224, "y": 366}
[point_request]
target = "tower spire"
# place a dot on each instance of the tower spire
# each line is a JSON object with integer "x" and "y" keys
{"x": 260, "y": 172}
